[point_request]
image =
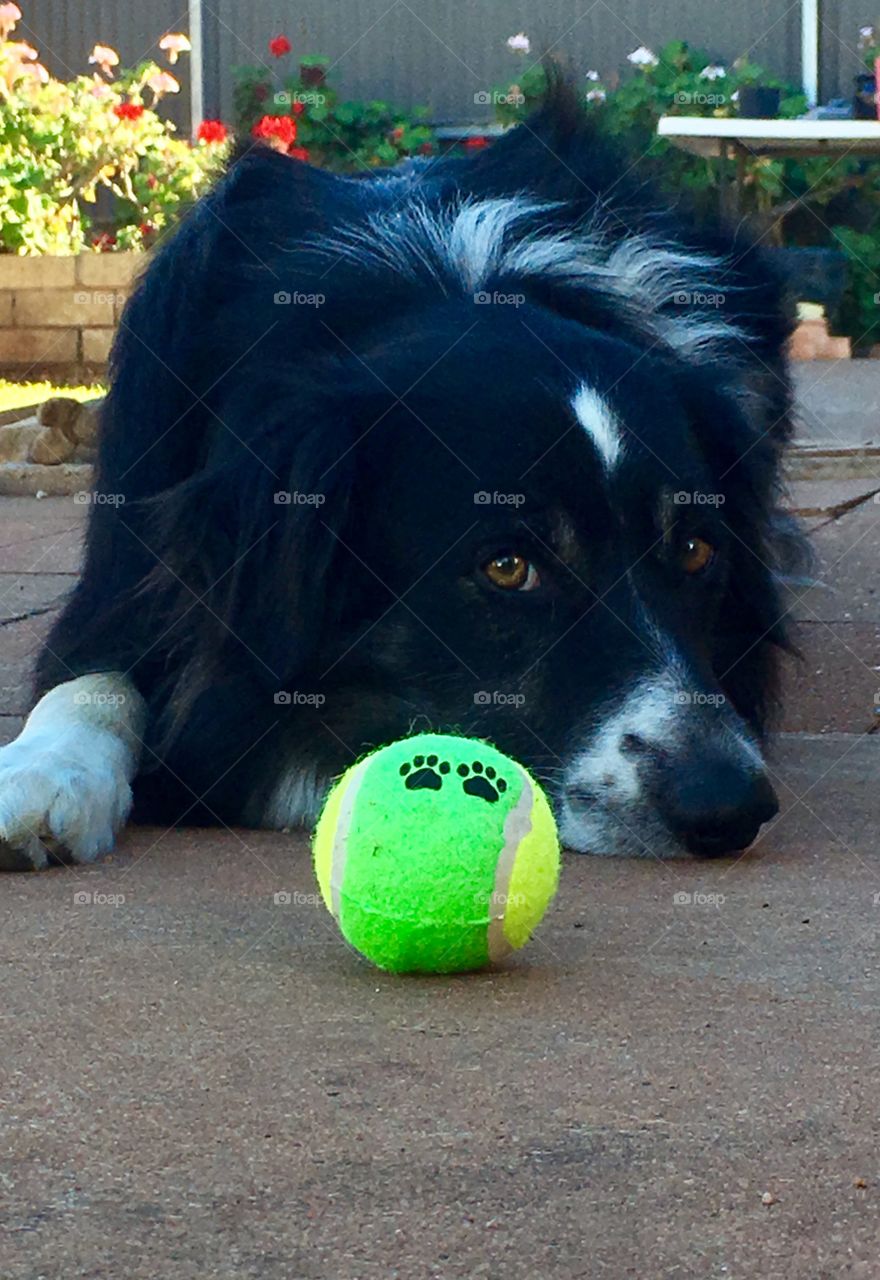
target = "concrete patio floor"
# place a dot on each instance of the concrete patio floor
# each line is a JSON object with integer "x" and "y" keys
{"x": 677, "y": 1078}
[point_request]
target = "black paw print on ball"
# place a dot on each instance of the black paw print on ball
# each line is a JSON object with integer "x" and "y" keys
{"x": 428, "y": 773}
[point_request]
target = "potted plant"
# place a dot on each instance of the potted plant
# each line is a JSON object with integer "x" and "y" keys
{"x": 865, "y": 96}
{"x": 313, "y": 71}
{"x": 758, "y": 97}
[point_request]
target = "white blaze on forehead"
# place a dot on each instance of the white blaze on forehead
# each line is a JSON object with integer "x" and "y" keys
{"x": 600, "y": 424}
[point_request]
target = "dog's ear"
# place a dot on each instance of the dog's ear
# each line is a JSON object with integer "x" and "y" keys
{"x": 249, "y": 565}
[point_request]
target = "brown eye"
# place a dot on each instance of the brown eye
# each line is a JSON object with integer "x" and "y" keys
{"x": 696, "y": 555}
{"x": 512, "y": 573}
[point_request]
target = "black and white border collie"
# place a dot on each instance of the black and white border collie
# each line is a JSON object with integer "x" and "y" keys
{"x": 489, "y": 446}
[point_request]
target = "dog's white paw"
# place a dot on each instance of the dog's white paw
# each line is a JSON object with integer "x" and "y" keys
{"x": 65, "y": 794}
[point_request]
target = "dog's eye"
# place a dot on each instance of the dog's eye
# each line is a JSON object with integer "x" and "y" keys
{"x": 696, "y": 555}
{"x": 512, "y": 573}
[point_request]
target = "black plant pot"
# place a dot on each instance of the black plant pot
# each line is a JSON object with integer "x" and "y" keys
{"x": 759, "y": 102}
{"x": 865, "y": 97}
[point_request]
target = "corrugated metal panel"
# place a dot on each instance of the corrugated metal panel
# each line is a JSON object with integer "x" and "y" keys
{"x": 439, "y": 52}
{"x": 443, "y": 52}
{"x": 66, "y": 31}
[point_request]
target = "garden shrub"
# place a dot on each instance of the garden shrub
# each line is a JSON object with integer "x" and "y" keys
{"x": 63, "y": 144}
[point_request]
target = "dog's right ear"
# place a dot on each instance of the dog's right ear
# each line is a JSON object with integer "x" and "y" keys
{"x": 250, "y": 560}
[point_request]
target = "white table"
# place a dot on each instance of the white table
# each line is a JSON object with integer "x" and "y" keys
{"x": 741, "y": 137}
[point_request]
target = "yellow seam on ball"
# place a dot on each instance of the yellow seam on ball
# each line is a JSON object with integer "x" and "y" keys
{"x": 516, "y": 828}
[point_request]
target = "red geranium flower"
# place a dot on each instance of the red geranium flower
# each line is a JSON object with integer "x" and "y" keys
{"x": 426, "y": 149}
{"x": 146, "y": 228}
{"x": 212, "y": 131}
{"x": 279, "y": 46}
{"x": 298, "y": 108}
{"x": 475, "y": 144}
{"x": 128, "y": 110}
{"x": 298, "y": 153}
{"x": 104, "y": 241}
{"x": 397, "y": 133}
{"x": 279, "y": 131}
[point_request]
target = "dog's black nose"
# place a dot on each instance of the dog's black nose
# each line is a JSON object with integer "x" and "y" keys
{"x": 715, "y": 805}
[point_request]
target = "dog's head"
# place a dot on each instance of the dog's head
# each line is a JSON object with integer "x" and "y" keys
{"x": 545, "y": 544}
{"x": 532, "y": 463}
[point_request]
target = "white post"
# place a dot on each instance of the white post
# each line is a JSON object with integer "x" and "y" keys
{"x": 197, "y": 67}
{"x": 810, "y": 50}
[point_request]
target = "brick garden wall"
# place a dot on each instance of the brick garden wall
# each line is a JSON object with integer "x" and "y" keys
{"x": 58, "y": 315}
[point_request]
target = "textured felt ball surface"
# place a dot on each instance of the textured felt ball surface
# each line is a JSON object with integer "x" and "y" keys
{"x": 436, "y": 854}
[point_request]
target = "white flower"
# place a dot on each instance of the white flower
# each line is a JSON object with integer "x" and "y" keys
{"x": 104, "y": 57}
{"x": 867, "y": 33}
{"x": 713, "y": 72}
{"x": 593, "y": 75}
{"x": 520, "y": 43}
{"x": 642, "y": 57}
{"x": 596, "y": 95}
{"x": 174, "y": 44}
{"x": 163, "y": 82}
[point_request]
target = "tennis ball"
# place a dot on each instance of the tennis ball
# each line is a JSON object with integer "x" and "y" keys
{"x": 436, "y": 854}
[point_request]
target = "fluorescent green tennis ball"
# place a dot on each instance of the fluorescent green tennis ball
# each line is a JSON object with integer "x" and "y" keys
{"x": 436, "y": 854}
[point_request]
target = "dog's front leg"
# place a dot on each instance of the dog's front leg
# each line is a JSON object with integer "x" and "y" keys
{"x": 65, "y": 782}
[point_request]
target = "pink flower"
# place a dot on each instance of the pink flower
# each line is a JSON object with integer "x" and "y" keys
{"x": 100, "y": 89}
{"x": 104, "y": 57}
{"x": 22, "y": 51}
{"x": 9, "y": 15}
{"x": 174, "y": 44}
{"x": 34, "y": 71}
{"x": 163, "y": 82}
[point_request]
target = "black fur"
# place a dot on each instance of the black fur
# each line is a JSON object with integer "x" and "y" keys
{"x": 395, "y": 401}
